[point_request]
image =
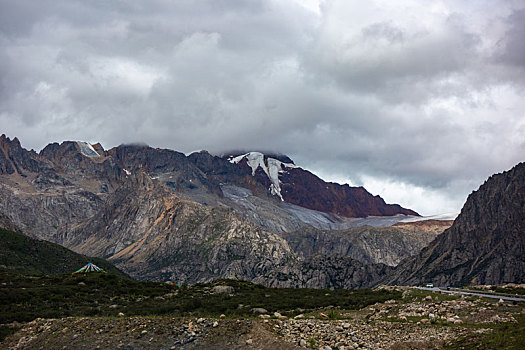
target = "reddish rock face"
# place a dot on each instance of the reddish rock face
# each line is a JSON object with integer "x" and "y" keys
{"x": 301, "y": 187}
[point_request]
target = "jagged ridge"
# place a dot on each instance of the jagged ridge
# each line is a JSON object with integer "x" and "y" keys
{"x": 486, "y": 243}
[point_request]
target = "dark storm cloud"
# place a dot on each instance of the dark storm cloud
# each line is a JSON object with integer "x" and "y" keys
{"x": 512, "y": 46}
{"x": 417, "y": 100}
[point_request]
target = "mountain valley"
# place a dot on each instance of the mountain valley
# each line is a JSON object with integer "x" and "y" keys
{"x": 307, "y": 263}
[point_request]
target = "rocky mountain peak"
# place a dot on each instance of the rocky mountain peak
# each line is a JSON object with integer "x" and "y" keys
{"x": 15, "y": 159}
{"x": 486, "y": 243}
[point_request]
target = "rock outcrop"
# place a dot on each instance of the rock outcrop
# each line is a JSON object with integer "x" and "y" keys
{"x": 486, "y": 243}
{"x": 325, "y": 271}
{"x": 152, "y": 234}
{"x": 7, "y": 224}
{"x": 367, "y": 244}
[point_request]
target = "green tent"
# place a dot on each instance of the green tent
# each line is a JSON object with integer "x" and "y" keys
{"x": 90, "y": 267}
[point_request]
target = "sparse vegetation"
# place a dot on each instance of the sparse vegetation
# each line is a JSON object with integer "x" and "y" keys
{"x": 22, "y": 254}
{"x": 23, "y": 298}
{"x": 507, "y": 335}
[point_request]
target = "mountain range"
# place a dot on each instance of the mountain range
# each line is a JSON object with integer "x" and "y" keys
{"x": 158, "y": 214}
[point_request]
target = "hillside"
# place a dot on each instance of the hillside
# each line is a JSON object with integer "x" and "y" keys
{"x": 25, "y": 255}
{"x": 485, "y": 244}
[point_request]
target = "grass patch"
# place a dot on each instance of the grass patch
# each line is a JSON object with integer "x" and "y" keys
{"x": 24, "y": 298}
{"x": 419, "y": 294}
{"x": 6, "y": 331}
{"x": 504, "y": 336}
{"x": 25, "y": 255}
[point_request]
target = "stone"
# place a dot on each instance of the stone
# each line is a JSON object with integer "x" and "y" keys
{"x": 259, "y": 311}
{"x": 223, "y": 289}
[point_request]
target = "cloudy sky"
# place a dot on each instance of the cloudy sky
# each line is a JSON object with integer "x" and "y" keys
{"x": 419, "y": 101}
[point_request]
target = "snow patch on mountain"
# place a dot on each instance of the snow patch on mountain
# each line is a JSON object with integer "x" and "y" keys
{"x": 272, "y": 168}
{"x": 441, "y": 217}
{"x": 87, "y": 150}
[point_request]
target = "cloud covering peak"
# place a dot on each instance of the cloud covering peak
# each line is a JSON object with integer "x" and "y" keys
{"x": 418, "y": 101}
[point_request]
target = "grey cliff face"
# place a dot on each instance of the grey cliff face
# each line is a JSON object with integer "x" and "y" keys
{"x": 152, "y": 234}
{"x": 367, "y": 244}
{"x": 322, "y": 271}
{"x": 486, "y": 243}
{"x": 7, "y": 224}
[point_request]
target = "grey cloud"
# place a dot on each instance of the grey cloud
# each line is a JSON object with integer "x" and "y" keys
{"x": 370, "y": 96}
{"x": 512, "y": 47}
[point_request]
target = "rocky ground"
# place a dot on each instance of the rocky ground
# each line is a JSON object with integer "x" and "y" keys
{"x": 417, "y": 321}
